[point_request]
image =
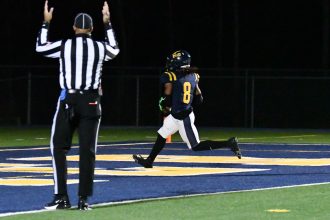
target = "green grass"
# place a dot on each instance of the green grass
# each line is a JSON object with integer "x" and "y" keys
{"x": 33, "y": 136}
{"x": 309, "y": 202}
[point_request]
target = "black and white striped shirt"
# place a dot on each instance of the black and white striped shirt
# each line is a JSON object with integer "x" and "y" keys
{"x": 81, "y": 58}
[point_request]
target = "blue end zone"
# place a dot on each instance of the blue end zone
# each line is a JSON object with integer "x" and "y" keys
{"x": 133, "y": 187}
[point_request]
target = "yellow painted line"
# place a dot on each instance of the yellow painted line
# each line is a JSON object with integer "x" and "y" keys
{"x": 31, "y": 182}
{"x": 246, "y": 160}
{"x": 136, "y": 171}
{"x": 28, "y": 169}
{"x": 172, "y": 171}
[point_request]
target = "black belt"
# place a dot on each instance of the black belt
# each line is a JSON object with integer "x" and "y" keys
{"x": 81, "y": 91}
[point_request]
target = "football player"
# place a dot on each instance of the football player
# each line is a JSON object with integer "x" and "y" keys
{"x": 180, "y": 93}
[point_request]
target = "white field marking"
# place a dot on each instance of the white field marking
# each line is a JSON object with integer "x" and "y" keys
{"x": 283, "y": 144}
{"x": 290, "y": 136}
{"x": 19, "y": 139}
{"x": 267, "y": 137}
{"x": 99, "y": 145}
{"x": 203, "y": 194}
{"x": 40, "y": 138}
{"x": 169, "y": 197}
{"x": 28, "y": 149}
{"x": 278, "y": 210}
{"x": 25, "y": 149}
{"x": 291, "y": 151}
{"x": 250, "y": 143}
{"x": 124, "y": 144}
{"x": 178, "y": 142}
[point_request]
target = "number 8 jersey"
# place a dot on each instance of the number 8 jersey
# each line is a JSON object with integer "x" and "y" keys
{"x": 183, "y": 89}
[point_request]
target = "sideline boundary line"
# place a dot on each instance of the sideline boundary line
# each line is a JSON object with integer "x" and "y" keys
{"x": 167, "y": 198}
{"x": 42, "y": 147}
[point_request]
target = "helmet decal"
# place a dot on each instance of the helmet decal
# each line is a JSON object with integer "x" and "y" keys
{"x": 177, "y": 54}
{"x": 178, "y": 59}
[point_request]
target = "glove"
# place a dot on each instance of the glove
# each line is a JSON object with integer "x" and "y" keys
{"x": 162, "y": 106}
{"x": 197, "y": 77}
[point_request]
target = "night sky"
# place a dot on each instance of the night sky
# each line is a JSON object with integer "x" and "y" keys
{"x": 218, "y": 34}
{"x": 241, "y": 39}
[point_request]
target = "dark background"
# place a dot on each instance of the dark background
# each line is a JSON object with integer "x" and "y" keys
{"x": 223, "y": 34}
{"x": 253, "y": 46}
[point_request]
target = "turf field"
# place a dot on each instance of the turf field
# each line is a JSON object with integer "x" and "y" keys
{"x": 291, "y": 182}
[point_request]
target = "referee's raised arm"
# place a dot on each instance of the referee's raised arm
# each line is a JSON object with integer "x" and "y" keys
{"x": 47, "y": 49}
{"x": 111, "y": 44}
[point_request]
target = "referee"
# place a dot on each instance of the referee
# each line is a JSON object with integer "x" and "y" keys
{"x": 78, "y": 107}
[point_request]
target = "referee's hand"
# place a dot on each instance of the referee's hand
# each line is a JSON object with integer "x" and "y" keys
{"x": 106, "y": 13}
{"x": 48, "y": 14}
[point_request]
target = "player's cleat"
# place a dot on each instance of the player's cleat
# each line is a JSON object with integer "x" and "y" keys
{"x": 234, "y": 147}
{"x": 59, "y": 202}
{"x": 143, "y": 162}
{"x": 82, "y": 204}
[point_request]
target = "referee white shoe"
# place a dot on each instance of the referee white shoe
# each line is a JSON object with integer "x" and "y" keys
{"x": 59, "y": 202}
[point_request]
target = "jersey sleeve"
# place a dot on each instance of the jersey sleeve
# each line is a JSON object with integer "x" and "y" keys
{"x": 167, "y": 77}
{"x": 46, "y": 48}
{"x": 111, "y": 45}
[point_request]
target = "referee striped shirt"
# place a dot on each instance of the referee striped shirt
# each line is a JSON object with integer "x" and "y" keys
{"x": 81, "y": 58}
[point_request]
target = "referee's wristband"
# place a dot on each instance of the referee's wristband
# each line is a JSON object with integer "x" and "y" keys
{"x": 107, "y": 26}
{"x": 45, "y": 24}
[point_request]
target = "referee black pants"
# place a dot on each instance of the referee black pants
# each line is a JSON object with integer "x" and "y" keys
{"x": 81, "y": 112}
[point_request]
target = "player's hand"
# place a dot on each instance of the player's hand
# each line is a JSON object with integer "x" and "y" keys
{"x": 197, "y": 77}
{"x": 48, "y": 13}
{"x": 164, "y": 109}
{"x": 161, "y": 103}
{"x": 106, "y": 13}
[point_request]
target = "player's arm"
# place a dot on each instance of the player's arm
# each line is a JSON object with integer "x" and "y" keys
{"x": 111, "y": 45}
{"x": 43, "y": 46}
{"x": 165, "y": 101}
{"x": 198, "y": 98}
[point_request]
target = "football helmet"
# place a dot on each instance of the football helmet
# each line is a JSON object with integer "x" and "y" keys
{"x": 168, "y": 65}
{"x": 178, "y": 59}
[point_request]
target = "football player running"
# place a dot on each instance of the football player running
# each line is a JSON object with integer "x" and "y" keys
{"x": 180, "y": 93}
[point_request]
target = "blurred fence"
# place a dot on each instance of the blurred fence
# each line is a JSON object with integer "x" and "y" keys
{"x": 233, "y": 98}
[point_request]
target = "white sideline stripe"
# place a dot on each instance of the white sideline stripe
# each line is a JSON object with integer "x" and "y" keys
{"x": 204, "y": 194}
{"x": 289, "y": 136}
{"x": 282, "y": 144}
{"x": 124, "y": 144}
{"x": 76, "y": 146}
{"x": 169, "y": 197}
{"x": 176, "y": 142}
